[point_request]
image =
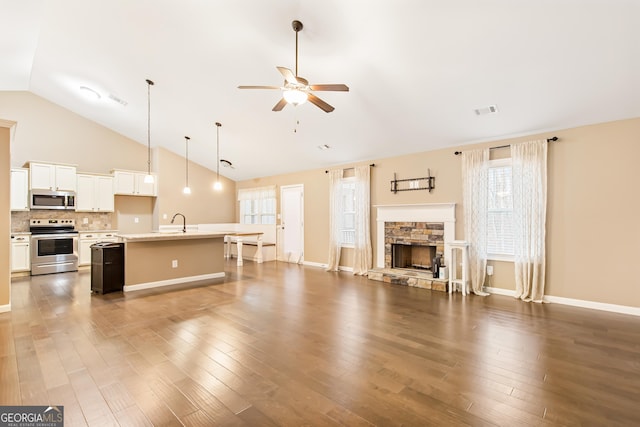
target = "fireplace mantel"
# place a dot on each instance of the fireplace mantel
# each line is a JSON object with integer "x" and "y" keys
{"x": 426, "y": 212}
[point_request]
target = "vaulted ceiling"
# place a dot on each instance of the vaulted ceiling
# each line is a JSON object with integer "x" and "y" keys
{"x": 417, "y": 71}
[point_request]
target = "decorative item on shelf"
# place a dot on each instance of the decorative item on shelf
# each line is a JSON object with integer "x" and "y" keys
{"x": 424, "y": 183}
{"x": 218, "y": 185}
{"x": 186, "y": 189}
{"x": 148, "y": 179}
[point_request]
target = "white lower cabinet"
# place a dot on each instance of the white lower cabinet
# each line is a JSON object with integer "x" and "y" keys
{"x": 20, "y": 253}
{"x": 89, "y": 238}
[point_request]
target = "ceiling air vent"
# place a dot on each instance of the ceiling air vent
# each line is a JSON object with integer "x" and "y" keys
{"x": 118, "y": 100}
{"x": 486, "y": 110}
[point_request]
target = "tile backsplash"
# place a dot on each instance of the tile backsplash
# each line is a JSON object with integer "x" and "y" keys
{"x": 94, "y": 220}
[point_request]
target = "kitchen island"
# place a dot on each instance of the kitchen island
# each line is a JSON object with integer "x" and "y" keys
{"x": 162, "y": 259}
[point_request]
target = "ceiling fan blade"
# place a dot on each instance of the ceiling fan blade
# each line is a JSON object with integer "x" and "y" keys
{"x": 288, "y": 75}
{"x": 320, "y": 103}
{"x": 280, "y": 105}
{"x": 334, "y": 87}
{"x": 258, "y": 87}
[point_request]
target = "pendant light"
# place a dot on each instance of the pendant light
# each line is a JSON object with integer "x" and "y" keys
{"x": 218, "y": 185}
{"x": 148, "y": 179}
{"x": 186, "y": 189}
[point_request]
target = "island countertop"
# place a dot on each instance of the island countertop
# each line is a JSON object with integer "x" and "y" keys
{"x": 173, "y": 235}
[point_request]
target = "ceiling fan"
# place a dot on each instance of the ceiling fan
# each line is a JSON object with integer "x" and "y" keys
{"x": 297, "y": 90}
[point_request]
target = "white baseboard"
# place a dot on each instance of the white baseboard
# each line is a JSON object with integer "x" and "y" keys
{"x": 168, "y": 282}
{"x": 500, "y": 291}
{"x": 615, "y": 308}
{"x": 5, "y": 308}
{"x": 623, "y": 309}
{"x": 321, "y": 265}
{"x": 314, "y": 264}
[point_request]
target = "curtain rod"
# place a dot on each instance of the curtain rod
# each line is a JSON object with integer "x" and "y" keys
{"x": 346, "y": 169}
{"x": 555, "y": 138}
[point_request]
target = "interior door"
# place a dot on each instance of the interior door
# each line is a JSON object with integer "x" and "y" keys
{"x": 292, "y": 223}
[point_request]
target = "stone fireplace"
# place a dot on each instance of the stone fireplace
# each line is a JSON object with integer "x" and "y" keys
{"x": 412, "y": 245}
{"x": 408, "y": 238}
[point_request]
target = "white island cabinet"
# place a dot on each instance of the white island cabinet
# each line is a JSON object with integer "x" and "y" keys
{"x": 49, "y": 176}
{"x": 95, "y": 193}
{"x": 131, "y": 183}
{"x": 161, "y": 259}
{"x": 88, "y": 238}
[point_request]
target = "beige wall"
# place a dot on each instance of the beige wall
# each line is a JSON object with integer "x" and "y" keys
{"x": 5, "y": 216}
{"x": 316, "y": 208}
{"x": 48, "y": 132}
{"x": 43, "y": 128}
{"x": 204, "y": 205}
{"x": 593, "y": 232}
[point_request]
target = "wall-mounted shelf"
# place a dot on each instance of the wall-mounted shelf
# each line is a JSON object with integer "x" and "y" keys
{"x": 412, "y": 184}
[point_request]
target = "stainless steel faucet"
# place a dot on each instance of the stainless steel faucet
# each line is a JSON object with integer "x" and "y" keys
{"x": 184, "y": 221}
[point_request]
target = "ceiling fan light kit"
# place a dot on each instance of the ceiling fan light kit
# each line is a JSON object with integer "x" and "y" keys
{"x": 297, "y": 90}
{"x": 295, "y": 97}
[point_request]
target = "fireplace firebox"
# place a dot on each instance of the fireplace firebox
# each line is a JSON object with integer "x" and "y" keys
{"x": 412, "y": 256}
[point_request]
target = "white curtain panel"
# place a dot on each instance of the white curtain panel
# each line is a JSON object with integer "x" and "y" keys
{"x": 335, "y": 218}
{"x": 475, "y": 166}
{"x": 529, "y": 169}
{"x": 362, "y": 257}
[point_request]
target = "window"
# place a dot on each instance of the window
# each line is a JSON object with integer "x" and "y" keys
{"x": 348, "y": 215}
{"x": 500, "y": 210}
{"x": 257, "y": 205}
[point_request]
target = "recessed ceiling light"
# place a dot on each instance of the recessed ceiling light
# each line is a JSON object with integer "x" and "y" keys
{"x": 89, "y": 93}
{"x": 490, "y": 109}
{"x": 323, "y": 147}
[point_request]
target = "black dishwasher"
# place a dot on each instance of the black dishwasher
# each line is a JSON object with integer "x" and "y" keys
{"x": 107, "y": 267}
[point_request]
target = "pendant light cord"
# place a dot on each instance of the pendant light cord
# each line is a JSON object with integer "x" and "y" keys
{"x": 149, "y": 84}
{"x": 186, "y": 142}
{"x": 218, "y": 124}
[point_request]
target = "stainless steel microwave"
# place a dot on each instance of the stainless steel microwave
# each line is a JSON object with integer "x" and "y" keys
{"x": 48, "y": 199}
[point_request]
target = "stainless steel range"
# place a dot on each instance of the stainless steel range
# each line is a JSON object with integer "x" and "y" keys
{"x": 54, "y": 246}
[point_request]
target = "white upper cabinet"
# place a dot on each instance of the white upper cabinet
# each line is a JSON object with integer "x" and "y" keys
{"x": 52, "y": 177}
{"x": 19, "y": 189}
{"x": 132, "y": 184}
{"x": 94, "y": 193}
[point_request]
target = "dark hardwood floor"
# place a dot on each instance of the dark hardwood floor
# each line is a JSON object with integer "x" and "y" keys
{"x": 283, "y": 344}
